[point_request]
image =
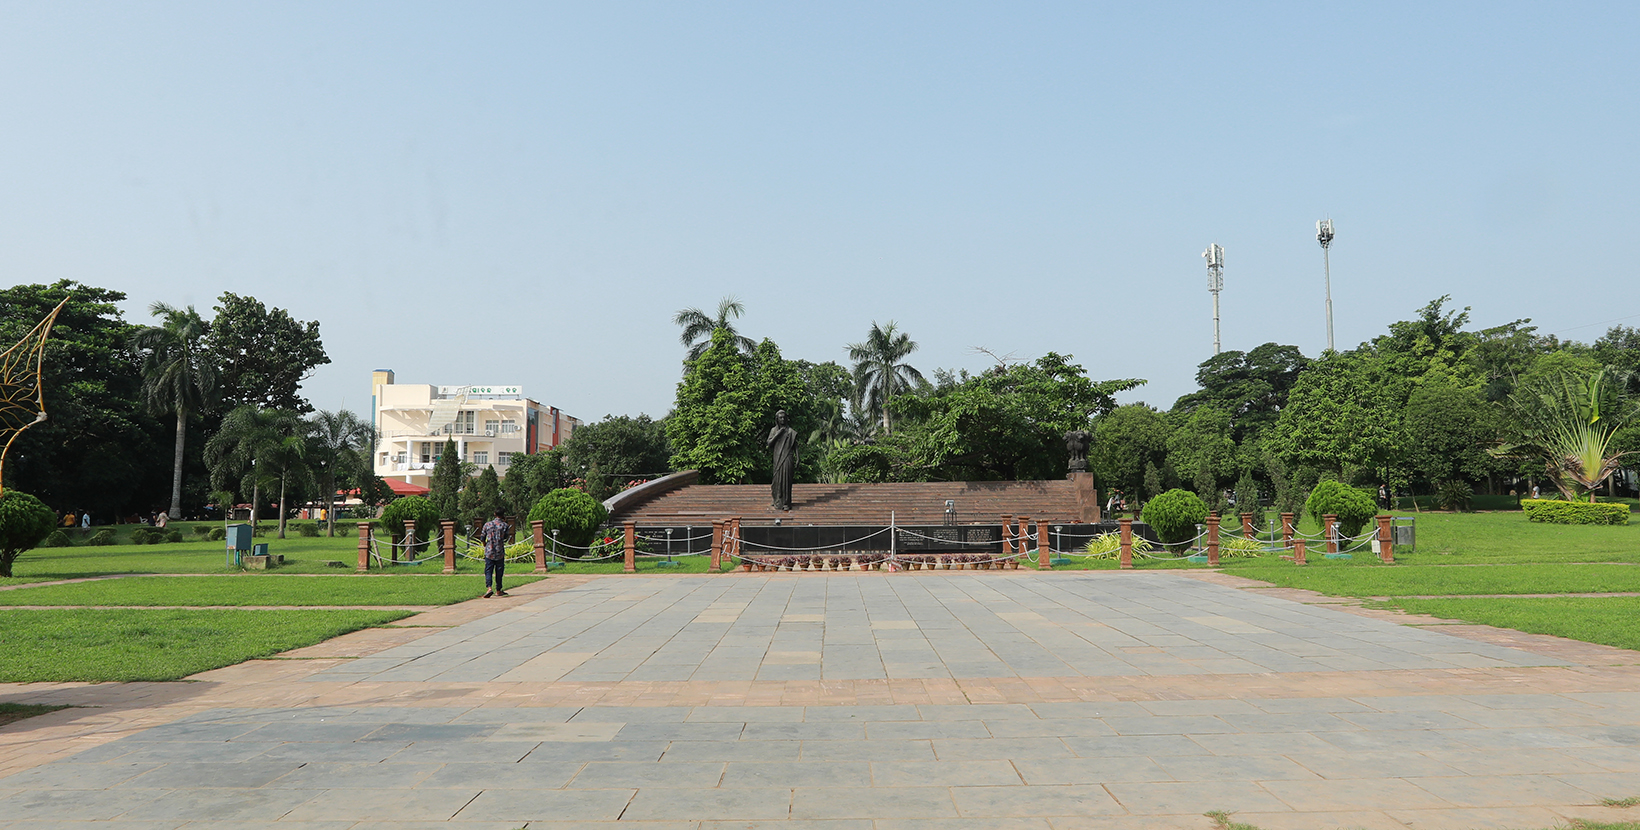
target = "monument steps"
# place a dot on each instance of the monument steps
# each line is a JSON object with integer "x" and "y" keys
{"x": 910, "y": 503}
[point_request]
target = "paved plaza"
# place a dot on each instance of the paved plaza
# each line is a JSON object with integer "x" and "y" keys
{"x": 872, "y": 701}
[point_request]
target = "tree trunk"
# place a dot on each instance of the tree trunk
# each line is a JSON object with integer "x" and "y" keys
{"x": 330, "y": 503}
{"x": 176, "y": 470}
{"x": 256, "y": 496}
{"x": 281, "y": 505}
{"x": 5, "y": 565}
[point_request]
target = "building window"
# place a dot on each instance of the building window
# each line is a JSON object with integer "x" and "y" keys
{"x": 491, "y": 426}
{"x": 481, "y": 457}
{"x": 504, "y": 458}
{"x": 426, "y": 452}
{"x": 464, "y": 422}
{"x": 508, "y": 426}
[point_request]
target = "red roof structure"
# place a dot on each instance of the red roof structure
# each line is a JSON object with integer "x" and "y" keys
{"x": 405, "y": 488}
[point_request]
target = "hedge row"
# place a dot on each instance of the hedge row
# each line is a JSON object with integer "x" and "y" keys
{"x": 1555, "y": 511}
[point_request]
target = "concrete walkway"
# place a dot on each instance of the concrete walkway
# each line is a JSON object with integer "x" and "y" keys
{"x": 857, "y": 702}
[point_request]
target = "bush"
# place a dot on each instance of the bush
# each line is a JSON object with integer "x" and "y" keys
{"x": 57, "y": 539}
{"x": 1238, "y": 546}
{"x": 173, "y": 535}
{"x": 1455, "y": 495}
{"x": 101, "y": 538}
{"x": 143, "y": 536}
{"x": 217, "y": 534}
{"x": 1354, "y": 508}
{"x": 414, "y": 511}
{"x": 1175, "y": 514}
{"x": 574, "y": 514}
{"x": 1109, "y": 546}
{"x": 308, "y": 531}
{"x": 203, "y": 529}
{"x": 25, "y": 522}
{"x": 1555, "y": 511}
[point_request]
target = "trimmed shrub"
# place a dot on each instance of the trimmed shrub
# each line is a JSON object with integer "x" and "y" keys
{"x": 308, "y": 531}
{"x": 143, "y": 536}
{"x": 217, "y": 534}
{"x": 1354, "y": 508}
{"x": 173, "y": 535}
{"x": 1237, "y": 546}
{"x": 57, "y": 539}
{"x": 1455, "y": 495}
{"x": 414, "y": 511}
{"x": 574, "y": 514}
{"x": 1175, "y": 514}
{"x": 25, "y": 522}
{"x": 101, "y": 538}
{"x": 1555, "y": 511}
{"x": 202, "y": 529}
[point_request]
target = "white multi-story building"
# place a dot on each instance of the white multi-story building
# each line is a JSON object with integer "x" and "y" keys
{"x": 489, "y": 424}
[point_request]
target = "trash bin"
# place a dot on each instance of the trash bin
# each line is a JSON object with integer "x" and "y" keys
{"x": 260, "y": 549}
{"x": 1404, "y": 535}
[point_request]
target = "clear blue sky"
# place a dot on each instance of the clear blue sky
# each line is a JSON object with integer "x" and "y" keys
{"x": 525, "y": 193}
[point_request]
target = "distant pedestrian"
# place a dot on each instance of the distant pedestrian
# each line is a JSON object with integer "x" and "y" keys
{"x": 85, "y": 520}
{"x": 495, "y": 535}
{"x": 1383, "y": 496}
{"x": 1534, "y": 491}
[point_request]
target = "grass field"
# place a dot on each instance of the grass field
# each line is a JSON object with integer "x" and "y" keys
{"x": 1612, "y": 621}
{"x": 153, "y": 644}
{"x": 258, "y": 589}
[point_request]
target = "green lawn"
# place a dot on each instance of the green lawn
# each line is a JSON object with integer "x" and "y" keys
{"x": 1612, "y": 621}
{"x": 258, "y": 589}
{"x": 302, "y": 555}
{"x": 154, "y": 644}
{"x": 1369, "y": 579}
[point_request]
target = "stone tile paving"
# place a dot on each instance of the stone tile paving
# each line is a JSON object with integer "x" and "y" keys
{"x": 1287, "y": 714}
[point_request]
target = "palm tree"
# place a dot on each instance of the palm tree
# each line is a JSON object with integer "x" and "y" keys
{"x": 879, "y": 374}
{"x": 698, "y": 328}
{"x": 1569, "y": 422}
{"x": 176, "y": 375}
{"x": 256, "y": 447}
{"x": 339, "y": 445}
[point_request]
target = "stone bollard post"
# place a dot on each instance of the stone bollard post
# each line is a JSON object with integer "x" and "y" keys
{"x": 631, "y": 547}
{"x": 717, "y": 545}
{"x": 1386, "y": 539}
{"x": 1247, "y": 526}
{"x": 1287, "y": 530}
{"x": 1044, "y": 546}
{"x": 448, "y": 545}
{"x": 1126, "y": 524}
{"x": 1298, "y": 552}
{"x": 1329, "y": 524}
{"x": 538, "y": 537}
{"x": 1213, "y": 538}
{"x": 364, "y": 546}
{"x": 1007, "y": 535}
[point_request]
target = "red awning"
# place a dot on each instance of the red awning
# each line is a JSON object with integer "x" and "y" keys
{"x": 405, "y": 488}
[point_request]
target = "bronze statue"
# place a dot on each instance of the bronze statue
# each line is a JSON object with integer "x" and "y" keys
{"x": 1076, "y": 443}
{"x": 783, "y": 445}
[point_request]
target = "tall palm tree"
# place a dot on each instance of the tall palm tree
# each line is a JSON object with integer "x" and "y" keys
{"x": 879, "y": 374}
{"x": 255, "y": 447}
{"x": 177, "y": 377}
{"x": 698, "y": 328}
{"x": 339, "y": 444}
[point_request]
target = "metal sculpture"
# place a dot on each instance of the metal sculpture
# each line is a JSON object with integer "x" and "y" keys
{"x": 22, "y": 392}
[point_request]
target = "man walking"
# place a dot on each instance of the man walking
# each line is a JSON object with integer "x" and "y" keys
{"x": 495, "y": 534}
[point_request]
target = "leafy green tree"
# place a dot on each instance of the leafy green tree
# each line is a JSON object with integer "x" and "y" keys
{"x": 262, "y": 354}
{"x": 177, "y": 376}
{"x": 1008, "y": 423}
{"x": 713, "y": 424}
{"x": 698, "y": 328}
{"x": 532, "y": 476}
{"x": 1252, "y": 387}
{"x": 413, "y": 513}
{"x": 1174, "y": 515}
{"x": 880, "y": 372}
{"x": 339, "y": 448}
{"x": 1352, "y": 507}
{"x": 1449, "y": 429}
{"x": 1347, "y": 410}
{"x": 619, "y": 449}
{"x": 1125, "y": 442}
{"x": 447, "y": 480}
{"x": 100, "y": 450}
{"x": 255, "y": 448}
{"x": 25, "y": 521}
{"x": 1201, "y": 443}
{"x": 482, "y": 497}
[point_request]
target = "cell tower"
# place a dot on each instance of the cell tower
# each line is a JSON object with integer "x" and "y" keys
{"x": 1324, "y": 235}
{"x": 1215, "y": 283}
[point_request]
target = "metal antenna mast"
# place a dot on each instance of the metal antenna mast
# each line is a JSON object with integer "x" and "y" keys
{"x": 1324, "y": 235}
{"x": 1215, "y": 283}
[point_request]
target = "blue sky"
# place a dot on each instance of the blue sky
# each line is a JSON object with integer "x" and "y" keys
{"x": 526, "y": 193}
